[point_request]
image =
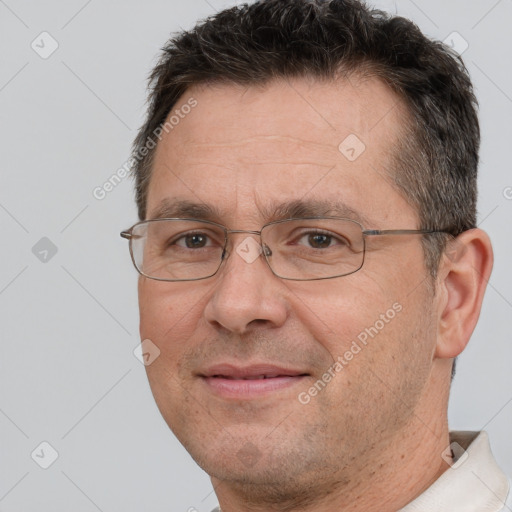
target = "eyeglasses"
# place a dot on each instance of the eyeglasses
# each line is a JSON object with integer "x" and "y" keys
{"x": 299, "y": 249}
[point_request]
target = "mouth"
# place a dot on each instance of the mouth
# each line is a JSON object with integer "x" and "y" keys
{"x": 247, "y": 382}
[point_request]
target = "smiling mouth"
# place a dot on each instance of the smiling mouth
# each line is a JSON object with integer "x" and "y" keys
{"x": 255, "y": 377}
{"x": 250, "y": 382}
{"x": 255, "y": 371}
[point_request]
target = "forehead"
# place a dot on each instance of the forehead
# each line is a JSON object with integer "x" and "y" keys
{"x": 243, "y": 150}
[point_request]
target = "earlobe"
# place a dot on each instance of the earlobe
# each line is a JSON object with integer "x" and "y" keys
{"x": 464, "y": 271}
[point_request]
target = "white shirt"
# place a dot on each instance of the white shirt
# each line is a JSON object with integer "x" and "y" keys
{"x": 474, "y": 483}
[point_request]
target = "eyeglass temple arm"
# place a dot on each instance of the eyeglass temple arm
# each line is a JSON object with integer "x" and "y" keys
{"x": 128, "y": 235}
{"x": 375, "y": 232}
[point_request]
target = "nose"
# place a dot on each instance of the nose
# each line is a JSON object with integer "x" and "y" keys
{"x": 246, "y": 294}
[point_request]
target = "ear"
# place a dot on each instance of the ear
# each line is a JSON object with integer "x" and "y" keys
{"x": 463, "y": 274}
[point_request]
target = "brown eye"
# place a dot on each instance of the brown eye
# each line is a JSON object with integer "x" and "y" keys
{"x": 196, "y": 240}
{"x": 319, "y": 240}
{"x": 192, "y": 240}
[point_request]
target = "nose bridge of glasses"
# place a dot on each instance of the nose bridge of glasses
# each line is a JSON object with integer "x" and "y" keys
{"x": 249, "y": 231}
{"x": 241, "y": 232}
{"x": 249, "y": 254}
{"x": 239, "y": 243}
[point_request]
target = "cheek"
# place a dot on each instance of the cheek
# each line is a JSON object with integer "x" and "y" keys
{"x": 374, "y": 329}
{"x": 352, "y": 308}
{"x": 169, "y": 316}
{"x": 169, "y": 319}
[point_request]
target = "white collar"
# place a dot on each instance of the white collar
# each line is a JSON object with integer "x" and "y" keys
{"x": 473, "y": 483}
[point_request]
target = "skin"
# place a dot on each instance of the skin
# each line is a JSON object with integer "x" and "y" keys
{"x": 372, "y": 439}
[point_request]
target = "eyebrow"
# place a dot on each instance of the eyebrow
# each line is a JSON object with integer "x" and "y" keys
{"x": 299, "y": 208}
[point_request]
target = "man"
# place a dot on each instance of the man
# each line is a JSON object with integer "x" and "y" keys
{"x": 310, "y": 266}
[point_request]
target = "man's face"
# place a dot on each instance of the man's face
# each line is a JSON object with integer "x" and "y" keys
{"x": 244, "y": 151}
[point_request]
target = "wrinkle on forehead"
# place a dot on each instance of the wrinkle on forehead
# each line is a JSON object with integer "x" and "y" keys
{"x": 284, "y": 122}
{"x": 259, "y": 139}
{"x": 262, "y": 149}
{"x": 243, "y": 148}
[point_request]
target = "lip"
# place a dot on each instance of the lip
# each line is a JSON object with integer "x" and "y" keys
{"x": 248, "y": 382}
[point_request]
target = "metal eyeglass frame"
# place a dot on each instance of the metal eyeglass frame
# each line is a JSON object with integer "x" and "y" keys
{"x": 267, "y": 252}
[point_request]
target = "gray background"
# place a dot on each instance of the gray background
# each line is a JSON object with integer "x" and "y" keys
{"x": 69, "y": 324}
